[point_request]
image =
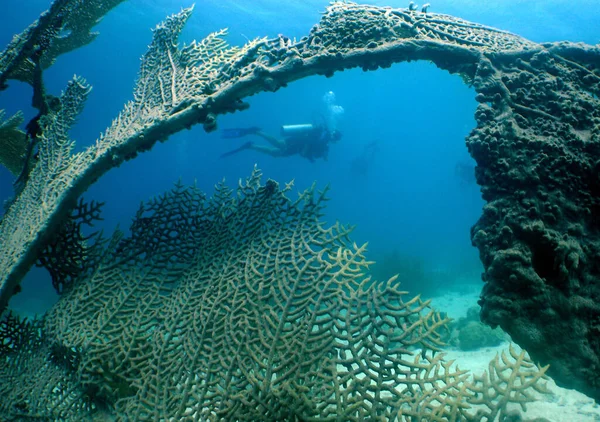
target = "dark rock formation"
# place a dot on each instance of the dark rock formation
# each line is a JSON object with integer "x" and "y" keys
{"x": 536, "y": 144}
{"x": 537, "y": 148}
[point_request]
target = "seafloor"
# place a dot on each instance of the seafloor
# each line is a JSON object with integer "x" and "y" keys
{"x": 561, "y": 405}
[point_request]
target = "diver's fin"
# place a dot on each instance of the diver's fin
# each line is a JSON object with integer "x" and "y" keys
{"x": 247, "y": 145}
{"x": 239, "y": 132}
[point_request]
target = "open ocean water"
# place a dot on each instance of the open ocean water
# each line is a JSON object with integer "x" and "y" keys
{"x": 400, "y": 173}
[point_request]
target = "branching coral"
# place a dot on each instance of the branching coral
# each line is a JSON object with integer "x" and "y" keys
{"x": 66, "y": 26}
{"x": 244, "y": 306}
{"x": 536, "y": 145}
{"x": 67, "y": 255}
{"x": 21, "y": 226}
{"x": 512, "y": 378}
{"x": 13, "y": 143}
{"x": 180, "y": 87}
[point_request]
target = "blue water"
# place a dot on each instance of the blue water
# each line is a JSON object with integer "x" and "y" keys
{"x": 410, "y": 200}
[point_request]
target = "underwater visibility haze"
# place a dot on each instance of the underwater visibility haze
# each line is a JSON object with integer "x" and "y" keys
{"x": 344, "y": 197}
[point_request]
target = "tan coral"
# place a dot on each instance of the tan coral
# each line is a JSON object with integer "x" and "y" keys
{"x": 13, "y": 143}
{"x": 244, "y": 306}
{"x": 538, "y": 117}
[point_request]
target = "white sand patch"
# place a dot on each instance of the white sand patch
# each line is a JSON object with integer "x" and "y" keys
{"x": 456, "y": 304}
{"x": 561, "y": 405}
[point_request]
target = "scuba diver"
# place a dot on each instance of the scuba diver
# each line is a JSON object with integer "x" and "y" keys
{"x": 308, "y": 140}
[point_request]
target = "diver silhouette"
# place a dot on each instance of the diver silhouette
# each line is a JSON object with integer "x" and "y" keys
{"x": 307, "y": 140}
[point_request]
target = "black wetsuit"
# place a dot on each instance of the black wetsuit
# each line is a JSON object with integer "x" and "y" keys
{"x": 310, "y": 145}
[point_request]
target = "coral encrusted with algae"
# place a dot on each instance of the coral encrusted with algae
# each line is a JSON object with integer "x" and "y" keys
{"x": 243, "y": 306}
{"x": 536, "y": 145}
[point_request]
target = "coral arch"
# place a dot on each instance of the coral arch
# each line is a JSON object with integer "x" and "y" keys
{"x": 536, "y": 144}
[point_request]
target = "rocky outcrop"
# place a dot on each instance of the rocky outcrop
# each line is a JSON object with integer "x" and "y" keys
{"x": 536, "y": 144}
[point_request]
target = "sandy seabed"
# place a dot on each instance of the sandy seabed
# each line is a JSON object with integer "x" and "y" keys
{"x": 561, "y": 405}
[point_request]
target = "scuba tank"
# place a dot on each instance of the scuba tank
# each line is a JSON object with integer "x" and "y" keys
{"x": 290, "y": 130}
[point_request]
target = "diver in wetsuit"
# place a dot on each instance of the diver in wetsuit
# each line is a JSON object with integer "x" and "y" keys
{"x": 308, "y": 141}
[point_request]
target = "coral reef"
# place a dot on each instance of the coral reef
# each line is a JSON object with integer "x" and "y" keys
{"x": 68, "y": 253}
{"x": 468, "y": 333}
{"x": 536, "y": 146}
{"x": 475, "y": 335}
{"x": 244, "y": 306}
{"x": 66, "y": 26}
{"x": 13, "y": 142}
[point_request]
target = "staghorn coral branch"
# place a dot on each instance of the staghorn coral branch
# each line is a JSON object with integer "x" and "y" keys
{"x": 13, "y": 143}
{"x": 218, "y": 79}
{"x": 239, "y": 307}
{"x": 536, "y": 145}
{"x": 66, "y": 26}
